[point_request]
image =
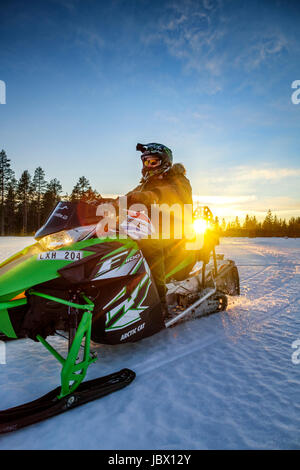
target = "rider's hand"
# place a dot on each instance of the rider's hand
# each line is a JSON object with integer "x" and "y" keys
{"x": 142, "y": 197}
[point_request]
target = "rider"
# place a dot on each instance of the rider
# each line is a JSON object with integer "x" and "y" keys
{"x": 162, "y": 183}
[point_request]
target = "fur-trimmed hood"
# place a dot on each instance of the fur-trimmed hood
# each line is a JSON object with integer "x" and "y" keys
{"x": 170, "y": 187}
{"x": 177, "y": 169}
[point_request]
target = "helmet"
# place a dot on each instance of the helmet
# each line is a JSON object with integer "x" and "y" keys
{"x": 156, "y": 150}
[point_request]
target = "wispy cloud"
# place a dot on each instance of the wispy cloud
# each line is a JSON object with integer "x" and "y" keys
{"x": 247, "y": 173}
{"x": 248, "y": 189}
{"x": 189, "y": 32}
{"x": 231, "y": 206}
{"x": 209, "y": 41}
{"x": 224, "y": 200}
{"x": 263, "y": 47}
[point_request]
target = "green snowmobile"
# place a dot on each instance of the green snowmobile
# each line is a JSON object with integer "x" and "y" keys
{"x": 98, "y": 288}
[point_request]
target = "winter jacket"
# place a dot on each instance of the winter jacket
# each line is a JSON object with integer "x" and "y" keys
{"x": 169, "y": 188}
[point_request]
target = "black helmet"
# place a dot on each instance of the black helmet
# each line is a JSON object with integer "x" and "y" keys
{"x": 156, "y": 150}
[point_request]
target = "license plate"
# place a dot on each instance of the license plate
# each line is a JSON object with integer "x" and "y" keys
{"x": 60, "y": 255}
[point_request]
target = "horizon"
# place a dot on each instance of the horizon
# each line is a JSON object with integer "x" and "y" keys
{"x": 223, "y": 207}
{"x": 216, "y": 81}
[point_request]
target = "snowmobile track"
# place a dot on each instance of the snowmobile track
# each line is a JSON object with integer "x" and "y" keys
{"x": 209, "y": 341}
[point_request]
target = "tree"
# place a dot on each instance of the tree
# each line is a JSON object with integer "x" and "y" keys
{"x": 39, "y": 185}
{"x": 253, "y": 224}
{"x": 237, "y": 223}
{"x": 223, "y": 226}
{"x": 80, "y": 188}
{"x": 276, "y": 228}
{"x": 217, "y": 227}
{"x": 246, "y": 224}
{"x": 294, "y": 227}
{"x": 51, "y": 197}
{"x": 10, "y": 207}
{"x": 267, "y": 224}
{"x": 24, "y": 193}
{"x": 284, "y": 228}
{"x": 6, "y": 174}
{"x": 82, "y": 191}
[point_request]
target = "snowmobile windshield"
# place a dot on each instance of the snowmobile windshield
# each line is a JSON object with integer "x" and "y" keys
{"x": 67, "y": 216}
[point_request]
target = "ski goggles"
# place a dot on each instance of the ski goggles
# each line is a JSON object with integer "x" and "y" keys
{"x": 151, "y": 162}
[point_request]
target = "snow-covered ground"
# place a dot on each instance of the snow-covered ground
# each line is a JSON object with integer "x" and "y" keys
{"x": 228, "y": 381}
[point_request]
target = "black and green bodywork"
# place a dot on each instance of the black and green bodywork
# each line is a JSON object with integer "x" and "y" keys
{"x": 99, "y": 288}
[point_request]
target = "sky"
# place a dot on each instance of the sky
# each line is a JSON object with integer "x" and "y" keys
{"x": 211, "y": 79}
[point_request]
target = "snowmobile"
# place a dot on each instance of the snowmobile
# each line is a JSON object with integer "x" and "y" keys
{"x": 100, "y": 289}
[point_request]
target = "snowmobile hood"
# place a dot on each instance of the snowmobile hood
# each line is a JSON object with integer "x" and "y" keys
{"x": 33, "y": 265}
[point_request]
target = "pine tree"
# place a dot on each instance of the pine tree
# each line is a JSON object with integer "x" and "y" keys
{"x": 267, "y": 224}
{"x": 237, "y": 223}
{"x": 246, "y": 224}
{"x": 24, "y": 193}
{"x": 223, "y": 226}
{"x": 276, "y": 228}
{"x": 51, "y": 197}
{"x": 39, "y": 185}
{"x": 10, "y": 207}
{"x": 284, "y": 228}
{"x": 217, "y": 227}
{"x": 6, "y": 174}
{"x": 82, "y": 191}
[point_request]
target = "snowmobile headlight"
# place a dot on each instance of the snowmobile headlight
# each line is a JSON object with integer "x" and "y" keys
{"x": 56, "y": 240}
{"x": 66, "y": 237}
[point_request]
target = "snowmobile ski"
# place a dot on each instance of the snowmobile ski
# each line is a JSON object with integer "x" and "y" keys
{"x": 6, "y": 338}
{"x": 50, "y": 405}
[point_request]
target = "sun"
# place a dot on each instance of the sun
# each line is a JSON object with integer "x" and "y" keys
{"x": 200, "y": 225}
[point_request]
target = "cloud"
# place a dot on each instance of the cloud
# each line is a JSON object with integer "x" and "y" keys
{"x": 277, "y": 204}
{"x": 274, "y": 174}
{"x": 247, "y": 173}
{"x": 224, "y": 200}
{"x": 166, "y": 116}
{"x": 262, "y": 48}
{"x": 189, "y": 32}
{"x": 229, "y": 207}
{"x": 246, "y": 189}
{"x": 222, "y": 43}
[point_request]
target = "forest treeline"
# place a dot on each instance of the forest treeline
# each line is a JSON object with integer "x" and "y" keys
{"x": 271, "y": 226}
{"x": 26, "y": 203}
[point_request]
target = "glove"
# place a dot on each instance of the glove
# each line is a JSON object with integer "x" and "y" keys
{"x": 139, "y": 197}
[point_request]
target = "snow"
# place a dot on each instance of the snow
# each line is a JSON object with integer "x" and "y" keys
{"x": 227, "y": 381}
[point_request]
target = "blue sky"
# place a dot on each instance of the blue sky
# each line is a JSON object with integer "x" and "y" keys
{"x": 87, "y": 80}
